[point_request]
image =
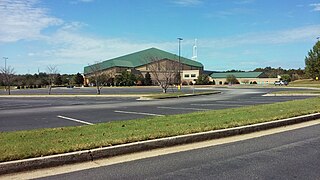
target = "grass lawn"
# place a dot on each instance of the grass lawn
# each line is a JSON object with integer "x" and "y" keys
{"x": 35, "y": 143}
{"x": 315, "y": 92}
{"x": 305, "y": 83}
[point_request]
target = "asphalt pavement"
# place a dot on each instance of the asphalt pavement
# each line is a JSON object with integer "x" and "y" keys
{"x": 27, "y": 113}
{"x": 287, "y": 155}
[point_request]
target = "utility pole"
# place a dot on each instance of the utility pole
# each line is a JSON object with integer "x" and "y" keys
{"x": 5, "y": 62}
{"x": 180, "y": 39}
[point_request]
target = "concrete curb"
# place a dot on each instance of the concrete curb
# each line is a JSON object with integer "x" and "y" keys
{"x": 178, "y": 96}
{"x": 73, "y": 95}
{"x": 291, "y": 95}
{"x": 90, "y": 155}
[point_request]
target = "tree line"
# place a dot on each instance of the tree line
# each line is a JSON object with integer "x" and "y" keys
{"x": 43, "y": 79}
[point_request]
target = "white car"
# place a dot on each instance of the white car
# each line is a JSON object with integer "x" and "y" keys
{"x": 280, "y": 83}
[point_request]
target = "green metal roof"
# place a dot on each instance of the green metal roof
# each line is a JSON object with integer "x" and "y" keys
{"x": 238, "y": 74}
{"x": 141, "y": 58}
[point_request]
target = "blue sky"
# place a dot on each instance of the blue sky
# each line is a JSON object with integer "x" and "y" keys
{"x": 232, "y": 34}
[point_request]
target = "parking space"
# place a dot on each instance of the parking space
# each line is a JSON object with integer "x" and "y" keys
{"x": 33, "y": 113}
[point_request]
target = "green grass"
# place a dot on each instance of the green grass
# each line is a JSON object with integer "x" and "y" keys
{"x": 35, "y": 143}
{"x": 305, "y": 83}
{"x": 315, "y": 92}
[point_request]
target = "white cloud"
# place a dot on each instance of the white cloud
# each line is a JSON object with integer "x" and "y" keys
{"x": 316, "y": 6}
{"x": 67, "y": 45}
{"x": 230, "y": 12}
{"x": 81, "y": 1}
{"x": 300, "y": 34}
{"x": 21, "y": 19}
{"x": 187, "y": 2}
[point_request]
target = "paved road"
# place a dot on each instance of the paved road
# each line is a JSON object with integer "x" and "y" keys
{"x": 288, "y": 155}
{"x": 33, "y": 113}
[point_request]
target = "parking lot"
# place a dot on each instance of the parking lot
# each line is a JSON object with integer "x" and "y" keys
{"x": 47, "y": 112}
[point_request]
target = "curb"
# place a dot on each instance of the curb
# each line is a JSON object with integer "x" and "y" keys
{"x": 93, "y": 154}
{"x": 291, "y": 94}
{"x": 178, "y": 96}
{"x": 72, "y": 95}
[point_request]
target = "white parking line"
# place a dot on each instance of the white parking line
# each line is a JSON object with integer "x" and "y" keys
{"x": 216, "y": 105}
{"x": 177, "y": 108}
{"x": 76, "y": 120}
{"x": 139, "y": 113}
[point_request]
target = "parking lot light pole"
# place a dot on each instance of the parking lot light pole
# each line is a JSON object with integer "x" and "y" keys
{"x": 179, "y": 39}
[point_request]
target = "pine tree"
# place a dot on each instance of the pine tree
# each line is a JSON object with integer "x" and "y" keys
{"x": 148, "y": 80}
{"x": 78, "y": 79}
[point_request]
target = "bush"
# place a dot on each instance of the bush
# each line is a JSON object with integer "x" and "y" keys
{"x": 203, "y": 79}
{"x": 232, "y": 79}
{"x": 285, "y": 77}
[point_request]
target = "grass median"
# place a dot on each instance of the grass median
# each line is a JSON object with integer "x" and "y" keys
{"x": 179, "y": 94}
{"x": 35, "y": 143}
{"x": 305, "y": 83}
{"x": 304, "y": 92}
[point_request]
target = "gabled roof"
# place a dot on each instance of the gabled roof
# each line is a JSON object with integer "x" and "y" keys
{"x": 238, "y": 74}
{"x": 141, "y": 58}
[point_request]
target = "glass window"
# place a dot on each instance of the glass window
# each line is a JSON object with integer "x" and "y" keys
{"x": 193, "y": 75}
{"x": 186, "y": 75}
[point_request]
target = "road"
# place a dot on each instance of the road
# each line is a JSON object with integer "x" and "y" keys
{"x": 291, "y": 154}
{"x": 48, "y": 112}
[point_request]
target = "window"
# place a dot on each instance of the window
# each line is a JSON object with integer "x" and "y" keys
{"x": 193, "y": 75}
{"x": 186, "y": 75}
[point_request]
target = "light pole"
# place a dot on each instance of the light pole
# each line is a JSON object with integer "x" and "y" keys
{"x": 180, "y": 39}
{"x": 5, "y": 62}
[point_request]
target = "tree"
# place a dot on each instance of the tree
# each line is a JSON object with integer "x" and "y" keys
{"x": 232, "y": 79}
{"x": 58, "y": 80}
{"x": 286, "y": 77}
{"x": 233, "y": 70}
{"x": 312, "y": 62}
{"x": 78, "y": 79}
{"x": 98, "y": 76}
{"x": 203, "y": 80}
{"x": 126, "y": 78}
{"x": 140, "y": 80}
{"x": 164, "y": 72}
{"x": 147, "y": 80}
{"x": 7, "y": 74}
{"x": 52, "y": 72}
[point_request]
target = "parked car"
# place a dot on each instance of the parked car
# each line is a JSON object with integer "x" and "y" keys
{"x": 280, "y": 83}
